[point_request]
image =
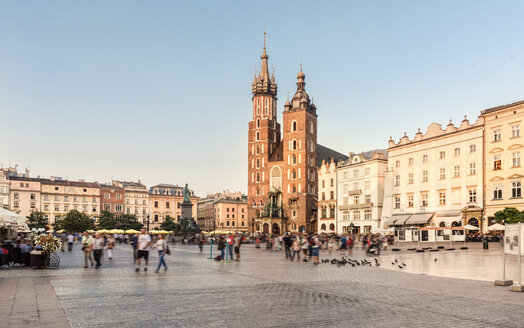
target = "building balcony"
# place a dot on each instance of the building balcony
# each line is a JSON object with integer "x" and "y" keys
{"x": 355, "y": 206}
{"x": 355, "y": 192}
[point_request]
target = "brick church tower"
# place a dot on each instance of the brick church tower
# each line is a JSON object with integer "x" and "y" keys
{"x": 282, "y": 182}
{"x": 264, "y": 136}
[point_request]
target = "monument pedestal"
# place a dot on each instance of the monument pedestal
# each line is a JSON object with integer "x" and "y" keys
{"x": 187, "y": 210}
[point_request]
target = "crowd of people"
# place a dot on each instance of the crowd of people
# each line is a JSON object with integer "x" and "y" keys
{"x": 311, "y": 244}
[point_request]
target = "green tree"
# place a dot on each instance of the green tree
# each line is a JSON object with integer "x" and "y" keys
{"x": 128, "y": 221}
{"x": 107, "y": 220}
{"x": 37, "y": 220}
{"x": 509, "y": 215}
{"x": 75, "y": 221}
{"x": 169, "y": 224}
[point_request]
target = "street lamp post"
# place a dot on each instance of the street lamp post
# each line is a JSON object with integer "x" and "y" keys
{"x": 145, "y": 221}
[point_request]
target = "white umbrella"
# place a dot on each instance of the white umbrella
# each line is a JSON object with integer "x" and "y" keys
{"x": 470, "y": 227}
{"x": 11, "y": 218}
{"x": 496, "y": 226}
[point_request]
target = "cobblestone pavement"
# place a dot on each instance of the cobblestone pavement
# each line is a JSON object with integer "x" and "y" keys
{"x": 263, "y": 290}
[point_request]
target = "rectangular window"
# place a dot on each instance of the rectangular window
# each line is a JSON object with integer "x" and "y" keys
{"x": 442, "y": 155}
{"x": 410, "y": 200}
{"x": 107, "y": 207}
{"x": 57, "y": 208}
{"x": 424, "y": 199}
{"x": 356, "y": 215}
{"x": 410, "y": 161}
{"x": 472, "y": 169}
{"x": 397, "y": 180}
{"x": 496, "y": 135}
{"x": 442, "y": 173}
{"x": 332, "y": 182}
{"x": 472, "y": 148}
{"x": 442, "y": 198}
{"x": 84, "y": 208}
{"x": 46, "y": 207}
{"x": 331, "y": 195}
{"x": 456, "y": 171}
{"x": 367, "y": 199}
{"x": 355, "y": 173}
{"x": 516, "y": 189}
{"x": 356, "y": 200}
{"x": 425, "y": 158}
{"x": 410, "y": 178}
{"x": 118, "y": 207}
{"x": 397, "y": 201}
{"x": 515, "y": 131}
{"x": 57, "y": 198}
{"x": 107, "y": 195}
{"x": 472, "y": 194}
{"x": 345, "y": 201}
{"x": 66, "y": 208}
{"x": 355, "y": 185}
{"x": 156, "y": 204}
{"x": 397, "y": 164}
{"x": 167, "y": 204}
{"x": 516, "y": 159}
{"x": 367, "y": 171}
{"x": 367, "y": 215}
{"x": 497, "y": 191}
{"x": 497, "y": 163}
{"x": 367, "y": 185}
{"x": 84, "y": 199}
{"x": 345, "y": 188}
{"x": 33, "y": 196}
{"x": 457, "y": 152}
{"x": 118, "y": 196}
{"x": 66, "y": 198}
{"x": 345, "y": 175}
{"x": 424, "y": 176}
{"x": 16, "y": 204}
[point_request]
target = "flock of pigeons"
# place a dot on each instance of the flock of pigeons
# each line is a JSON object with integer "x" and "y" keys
{"x": 347, "y": 261}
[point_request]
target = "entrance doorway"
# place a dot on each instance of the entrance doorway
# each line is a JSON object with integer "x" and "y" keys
{"x": 265, "y": 228}
{"x": 276, "y": 229}
{"x": 473, "y": 222}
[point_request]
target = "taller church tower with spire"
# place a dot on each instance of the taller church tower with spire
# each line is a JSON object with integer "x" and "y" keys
{"x": 264, "y": 136}
{"x": 282, "y": 182}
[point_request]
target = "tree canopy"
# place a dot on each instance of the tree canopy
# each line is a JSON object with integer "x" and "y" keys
{"x": 509, "y": 215}
{"x": 128, "y": 221}
{"x": 37, "y": 220}
{"x": 107, "y": 220}
{"x": 74, "y": 221}
{"x": 169, "y": 224}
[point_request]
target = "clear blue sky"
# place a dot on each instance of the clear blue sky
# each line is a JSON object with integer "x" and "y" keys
{"x": 160, "y": 90}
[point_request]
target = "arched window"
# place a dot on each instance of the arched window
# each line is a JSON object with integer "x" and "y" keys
{"x": 258, "y": 123}
{"x": 294, "y": 188}
{"x": 258, "y": 149}
{"x": 323, "y": 227}
{"x": 294, "y": 174}
{"x": 274, "y": 137}
{"x": 294, "y": 145}
{"x": 294, "y": 159}
{"x": 294, "y": 126}
{"x": 332, "y": 227}
{"x": 258, "y": 136}
{"x": 311, "y": 127}
{"x": 258, "y": 163}
{"x": 258, "y": 177}
{"x": 276, "y": 177}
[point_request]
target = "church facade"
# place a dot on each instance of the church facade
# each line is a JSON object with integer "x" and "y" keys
{"x": 283, "y": 160}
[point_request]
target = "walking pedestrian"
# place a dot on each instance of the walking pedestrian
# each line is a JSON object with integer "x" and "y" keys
{"x": 230, "y": 242}
{"x": 296, "y": 248}
{"x": 315, "y": 249}
{"x": 70, "y": 240}
{"x": 111, "y": 243}
{"x": 238, "y": 242}
{"x": 161, "y": 246}
{"x": 304, "y": 246}
{"x": 98, "y": 248}
{"x": 221, "y": 247}
{"x": 87, "y": 245}
{"x": 143, "y": 247}
{"x": 288, "y": 242}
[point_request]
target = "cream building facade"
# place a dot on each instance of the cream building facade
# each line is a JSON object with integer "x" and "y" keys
{"x": 360, "y": 191}
{"x": 165, "y": 200}
{"x": 4, "y": 188}
{"x": 24, "y": 195}
{"x": 327, "y": 197}
{"x": 503, "y": 151}
{"x": 436, "y": 178}
{"x": 231, "y": 214}
{"x": 61, "y": 196}
{"x": 136, "y": 198}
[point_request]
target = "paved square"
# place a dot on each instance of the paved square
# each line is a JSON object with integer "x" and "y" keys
{"x": 263, "y": 290}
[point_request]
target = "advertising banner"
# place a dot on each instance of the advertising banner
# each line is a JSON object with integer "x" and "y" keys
{"x": 511, "y": 239}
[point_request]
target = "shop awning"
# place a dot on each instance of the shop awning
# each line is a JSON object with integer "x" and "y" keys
{"x": 12, "y": 220}
{"x": 397, "y": 220}
{"x": 420, "y": 218}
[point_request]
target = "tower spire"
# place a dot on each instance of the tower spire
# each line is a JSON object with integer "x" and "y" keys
{"x": 264, "y": 71}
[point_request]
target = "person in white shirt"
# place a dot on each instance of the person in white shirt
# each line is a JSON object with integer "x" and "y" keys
{"x": 143, "y": 246}
{"x": 98, "y": 248}
{"x": 87, "y": 246}
{"x": 70, "y": 240}
{"x": 161, "y": 246}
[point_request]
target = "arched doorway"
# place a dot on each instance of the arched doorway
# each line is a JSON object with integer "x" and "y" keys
{"x": 442, "y": 224}
{"x": 265, "y": 228}
{"x": 332, "y": 227}
{"x": 276, "y": 229}
{"x": 323, "y": 227}
{"x": 302, "y": 228}
{"x": 473, "y": 222}
{"x": 455, "y": 224}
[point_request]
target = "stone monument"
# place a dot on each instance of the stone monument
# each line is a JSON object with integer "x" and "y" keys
{"x": 187, "y": 206}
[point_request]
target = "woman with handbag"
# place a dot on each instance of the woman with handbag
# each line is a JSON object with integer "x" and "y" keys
{"x": 162, "y": 248}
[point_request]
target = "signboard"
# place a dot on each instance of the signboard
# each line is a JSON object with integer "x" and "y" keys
{"x": 511, "y": 239}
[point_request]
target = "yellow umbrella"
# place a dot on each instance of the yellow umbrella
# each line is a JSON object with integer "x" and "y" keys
{"x": 154, "y": 232}
{"x": 132, "y": 231}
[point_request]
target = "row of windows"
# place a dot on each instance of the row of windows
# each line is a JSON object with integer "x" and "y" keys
{"x": 442, "y": 199}
{"x": 331, "y": 195}
{"x": 515, "y": 160}
{"x": 497, "y": 134}
{"x": 356, "y": 200}
{"x": 108, "y": 196}
{"x": 356, "y": 186}
{"x": 117, "y": 207}
{"x": 128, "y": 202}
{"x": 331, "y": 183}
{"x": 442, "y": 155}
{"x": 355, "y": 215}
{"x": 66, "y": 208}
{"x": 514, "y": 192}
{"x": 356, "y": 173}
{"x": 441, "y": 174}
{"x": 231, "y": 223}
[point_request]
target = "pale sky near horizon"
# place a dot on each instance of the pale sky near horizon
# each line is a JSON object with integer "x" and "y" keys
{"x": 160, "y": 90}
